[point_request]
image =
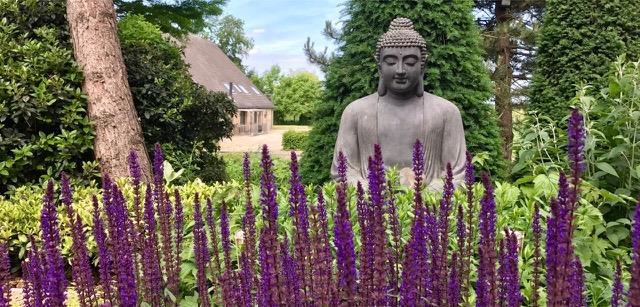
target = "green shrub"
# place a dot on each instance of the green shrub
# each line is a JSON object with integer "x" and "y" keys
{"x": 612, "y": 149}
{"x": 175, "y": 111}
{"x": 294, "y": 140}
{"x": 44, "y": 127}
{"x": 578, "y": 41}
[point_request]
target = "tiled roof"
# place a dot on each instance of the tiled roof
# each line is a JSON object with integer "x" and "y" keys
{"x": 211, "y": 68}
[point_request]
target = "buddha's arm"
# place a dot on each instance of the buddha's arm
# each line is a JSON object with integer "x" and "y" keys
{"x": 453, "y": 145}
{"x": 347, "y": 142}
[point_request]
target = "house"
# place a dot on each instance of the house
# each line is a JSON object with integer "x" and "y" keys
{"x": 211, "y": 68}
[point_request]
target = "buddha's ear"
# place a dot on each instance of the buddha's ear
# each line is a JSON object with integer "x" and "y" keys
{"x": 420, "y": 86}
{"x": 382, "y": 90}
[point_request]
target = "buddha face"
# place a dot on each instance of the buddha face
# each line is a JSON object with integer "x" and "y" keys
{"x": 400, "y": 70}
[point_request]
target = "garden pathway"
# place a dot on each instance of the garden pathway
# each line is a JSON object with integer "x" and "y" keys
{"x": 249, "y": 143}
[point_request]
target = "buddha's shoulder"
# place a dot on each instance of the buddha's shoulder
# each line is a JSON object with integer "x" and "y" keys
{"x": 441, "y": 104}
{"x": 361, "y": 104}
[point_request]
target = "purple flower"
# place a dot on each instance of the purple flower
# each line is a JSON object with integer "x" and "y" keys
{"x": 33, "y": 274}
{"x": 248, "y": 256}
{"x": 486, "y": 290}
{"x": 225, "y": 235}
{"x": 136, "y": 175}
{"x": 343, "y": 239}
{"x": 453, "y": 288}
{"x": 151, "y": 263}
{"x": 576, "y": 284}
{"x": 618, "y": 288}
{"x": 179, "y": 235}
{"x": 537, "y": 257}
{"x": 272, "y": 283}
{"x": 201, "y": 252}
{"x": 394, "y": 249}
{"x": 634, "y": 285}
{"x": 321, "y": 255}
{"x": 54, "y": 281}
{"x": 80, "y": 266}
{"x": 439, "y": 265}
{"x": 508, "y": 272}
{"x": 465, "y": 265}
{"x": 577, "y": 135}
{"x": 213, "y": 233}
{"x": 4, "y": 275}
{"x": 104, "y": 256}
{"x": 377, "y": 294}
{"x": 300, "y": 214}
{"x": 291, "y": 279}
{"x": 122, "y": 248}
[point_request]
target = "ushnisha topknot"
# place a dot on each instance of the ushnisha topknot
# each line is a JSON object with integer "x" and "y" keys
{"x": 401, "y": 34}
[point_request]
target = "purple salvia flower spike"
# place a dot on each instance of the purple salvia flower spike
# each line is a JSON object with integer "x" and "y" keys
{"x": 537, "y": 256}
{"x": 322, "y": 259}
{"x": 292, "y": 281}
{"x": 577, "y": 135}
{"x": 508, "y": 271}
{"x": 34, "y": 276}
{"x": 248, "y": 257}
{"x": 55, "y": 282}
{"x": 104, "y": 255}
{"x": 122, "y": 248}
{"x": 228, "y": 286}
{"x": 4, "y": 275}
{"x": 376, "y": 175}
{"x": 395, "y": 248}
{"x": 152, "y": 274}
{"x": 486, "y": 289}
{"x": 465, "y": 263}
{"x": 439, "y": 258}
{"x": 201, "y": 252}
{"x": 453, "y": 287}
{"x": 634, "y": 284}
{"x": 272, "y": 282}
{"x": 617, "y": 289}
{"x": 576, "y": 284}
{"x": 179, "y": 236}
{"x": 343, "y": 239}
{"x": 80, "y": 266}
{"x": 216, "y": 266}
{"x": 300, "y": 214}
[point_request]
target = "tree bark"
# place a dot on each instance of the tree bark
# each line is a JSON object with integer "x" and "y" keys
{"x": 503, "y": 78}
{"x": 110, "y": 105}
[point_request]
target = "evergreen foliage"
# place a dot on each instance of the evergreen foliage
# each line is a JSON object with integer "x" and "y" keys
{"x": 454, "y": 70}
{"x": 174, "y": 110}
{"x": 177, "y": 18}
{"x": 578, "y": 42}
{"x": 44, "y": 128}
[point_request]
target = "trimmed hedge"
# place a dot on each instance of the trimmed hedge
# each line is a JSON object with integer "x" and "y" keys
{"x": 294, "y": 140}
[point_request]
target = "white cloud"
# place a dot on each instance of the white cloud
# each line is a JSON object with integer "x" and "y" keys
{"x": 258, "y": 31}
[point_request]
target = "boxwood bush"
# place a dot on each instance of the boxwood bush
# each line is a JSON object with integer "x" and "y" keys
{"x": 294, "y": 140}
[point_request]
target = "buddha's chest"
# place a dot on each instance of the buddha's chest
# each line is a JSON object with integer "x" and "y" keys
{"x": 398, "y": 129}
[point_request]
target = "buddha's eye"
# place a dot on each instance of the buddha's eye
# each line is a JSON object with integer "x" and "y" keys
{"x": 390, "y": 61}
{"x": 410, "y": 62}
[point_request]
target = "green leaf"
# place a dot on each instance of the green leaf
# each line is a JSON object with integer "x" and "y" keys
{"x": 607, "y": 168}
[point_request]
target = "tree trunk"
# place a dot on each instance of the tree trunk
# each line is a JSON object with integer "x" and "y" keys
{"x": 110, "y": 105}
{"x": 503, "y": 78}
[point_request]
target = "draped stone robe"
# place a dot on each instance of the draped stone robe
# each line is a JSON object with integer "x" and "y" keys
{"x": 442, "y": 135}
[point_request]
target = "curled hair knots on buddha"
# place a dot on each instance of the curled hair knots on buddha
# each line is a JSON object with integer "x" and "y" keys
{"x": 402, "y": 34}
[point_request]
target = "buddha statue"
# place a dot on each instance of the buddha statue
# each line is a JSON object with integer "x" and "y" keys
{"x": 400, "y": 113}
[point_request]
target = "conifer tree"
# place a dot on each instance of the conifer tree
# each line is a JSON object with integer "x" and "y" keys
{"x": 454, "y": 70}
{"x": 577, "y": 43}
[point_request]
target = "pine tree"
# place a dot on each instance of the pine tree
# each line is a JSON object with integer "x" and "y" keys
{"x": 578, "y": 41}
{"x": 454, "y": 70}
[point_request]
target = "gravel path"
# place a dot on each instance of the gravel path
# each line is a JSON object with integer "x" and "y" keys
{"x": 248, "y": 143}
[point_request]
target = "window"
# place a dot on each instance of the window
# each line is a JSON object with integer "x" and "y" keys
{"x": 243, "y": 89}
{"x": 236, "y": 88}
{"x": 243, "y": 117}
{"x": 255, "y": 90}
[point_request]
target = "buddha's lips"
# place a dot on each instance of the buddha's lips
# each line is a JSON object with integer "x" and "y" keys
{"x": 400, "y": 80}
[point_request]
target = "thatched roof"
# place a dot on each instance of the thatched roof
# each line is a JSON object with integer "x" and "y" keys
{"x": 211, "y": 68}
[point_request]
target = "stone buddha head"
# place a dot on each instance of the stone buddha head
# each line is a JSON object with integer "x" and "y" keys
{"x": 401, "y": 54}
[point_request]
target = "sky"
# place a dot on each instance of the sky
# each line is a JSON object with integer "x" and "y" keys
{"x": 279, "y": 29}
